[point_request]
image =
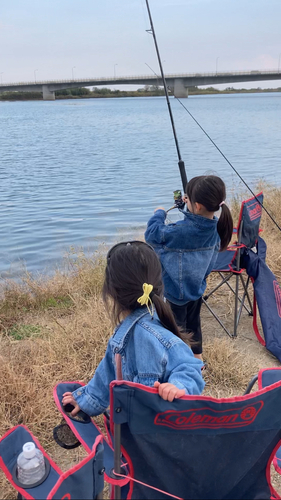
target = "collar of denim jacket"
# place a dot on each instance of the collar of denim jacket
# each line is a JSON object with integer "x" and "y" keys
{"x": 122, "y": 330}
{"x": 199, "y": 219}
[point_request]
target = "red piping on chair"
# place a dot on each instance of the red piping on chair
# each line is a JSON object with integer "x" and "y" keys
{"x": 234, "y": 399}
{"x": 22, "y": 491}
{"x": 255, "y": 324}
{"x": 271, "y": 459}
{"x": 9, "y": 476}
{"x": 52, "y": 463}
{"x": 75, "y": 468}
{"x": 72, "y": 426}
{"x": 265, "y": 370}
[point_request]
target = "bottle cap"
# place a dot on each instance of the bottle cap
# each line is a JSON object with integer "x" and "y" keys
{"x": 29, "y": 450}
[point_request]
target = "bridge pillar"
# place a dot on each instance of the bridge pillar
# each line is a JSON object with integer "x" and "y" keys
{"x": 179, "y": 89}
{"x": 48, "y": 95}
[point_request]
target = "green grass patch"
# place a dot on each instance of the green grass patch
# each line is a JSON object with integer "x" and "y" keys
{"x": 20, "y": 332}
{"x": 57, "y": 302}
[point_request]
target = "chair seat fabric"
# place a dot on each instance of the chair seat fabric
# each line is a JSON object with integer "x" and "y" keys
{"x": 226, "y": 261}
{"x": 199, "y": 447}
{"x": 268, "y": 297}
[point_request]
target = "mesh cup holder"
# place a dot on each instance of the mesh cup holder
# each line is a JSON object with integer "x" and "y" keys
{"x": 28, "y": 486}
{"x": 64, "y": 437}
{"x": 81, "y": 416}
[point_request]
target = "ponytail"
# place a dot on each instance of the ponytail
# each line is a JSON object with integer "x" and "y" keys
{"x": 225, "y": 227}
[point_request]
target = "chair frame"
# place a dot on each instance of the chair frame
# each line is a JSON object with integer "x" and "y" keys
{"x": 225, "y": 280}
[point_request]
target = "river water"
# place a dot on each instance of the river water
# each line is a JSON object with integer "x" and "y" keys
{"x": 83, "y": 173}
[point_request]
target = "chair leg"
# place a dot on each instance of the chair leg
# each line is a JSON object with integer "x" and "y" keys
{"x": 217, "y": 318}
{"x": 117, "y": 455}
{"x": 233, "y": 291}
{"x": 245, "y": 285}
{"x": 236, "y": 307}
{"x": 225, "y": 280}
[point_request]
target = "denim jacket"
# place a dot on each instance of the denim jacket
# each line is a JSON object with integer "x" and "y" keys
{"x": 149, "y": 353}
{"x": 187, "y": 250}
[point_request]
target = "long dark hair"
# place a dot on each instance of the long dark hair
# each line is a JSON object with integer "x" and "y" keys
{"x": 130, "y": 265}
{"x": 209, "y": 191}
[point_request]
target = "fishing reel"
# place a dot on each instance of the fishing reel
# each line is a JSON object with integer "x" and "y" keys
{"x": 178, "y": 201}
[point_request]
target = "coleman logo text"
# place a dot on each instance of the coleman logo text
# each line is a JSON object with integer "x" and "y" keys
{"x": 254, "y": 211}
{"x": 207, "y": 418}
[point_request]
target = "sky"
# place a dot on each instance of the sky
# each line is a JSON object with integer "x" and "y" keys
{"x": 61, "y": 39}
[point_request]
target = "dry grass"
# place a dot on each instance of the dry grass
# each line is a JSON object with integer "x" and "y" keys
{"x": 63, "y": 331}
{"x": 229, "y": 370}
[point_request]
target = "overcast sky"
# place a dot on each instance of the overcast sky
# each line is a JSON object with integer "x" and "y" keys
{"x": 94, "y": 38}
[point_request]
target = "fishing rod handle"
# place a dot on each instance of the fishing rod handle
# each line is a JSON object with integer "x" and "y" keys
{"x": 183, "y": 174}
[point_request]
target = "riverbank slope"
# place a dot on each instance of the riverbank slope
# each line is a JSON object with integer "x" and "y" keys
{"x": 57, "y": 328}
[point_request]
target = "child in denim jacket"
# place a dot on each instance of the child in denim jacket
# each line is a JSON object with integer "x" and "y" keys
{"x": 146, "y": 338}
{"x": 188, "y": 249}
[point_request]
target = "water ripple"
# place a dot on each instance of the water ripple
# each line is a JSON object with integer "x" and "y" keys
{"x": 92, "y": 171}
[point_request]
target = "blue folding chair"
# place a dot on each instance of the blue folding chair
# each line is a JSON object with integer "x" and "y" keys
{"x": 228, "y": 263}
{"x": 267, "y": 298}
{"x": 84, "y": 480}
{"x": 196, "y": 447}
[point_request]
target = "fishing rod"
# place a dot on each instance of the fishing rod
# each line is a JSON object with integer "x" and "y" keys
{"x": 180, "y": 161}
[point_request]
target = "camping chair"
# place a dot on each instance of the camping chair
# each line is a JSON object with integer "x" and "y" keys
{"x": 228, "y": 262}
{"x": 196, "y": 447}
{"x": 84, "y": 480}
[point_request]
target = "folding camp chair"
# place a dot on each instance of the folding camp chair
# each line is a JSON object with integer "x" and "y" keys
{"x": 84, "y": 480}
{"x": 228, "y": 262}
{"x": 196, "y": 447}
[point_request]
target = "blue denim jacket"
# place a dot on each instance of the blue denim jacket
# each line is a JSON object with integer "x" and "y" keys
{"x": 187, "y": 250}
{"x": 149, "y": 353}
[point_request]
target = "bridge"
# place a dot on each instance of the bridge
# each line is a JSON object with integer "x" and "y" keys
{"x": 178, "y": 83}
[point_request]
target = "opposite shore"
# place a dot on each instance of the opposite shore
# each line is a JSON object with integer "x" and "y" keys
{"x": 152, "y": 91}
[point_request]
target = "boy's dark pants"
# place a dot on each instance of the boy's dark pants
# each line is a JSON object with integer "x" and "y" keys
{"x": 188, "y": 318}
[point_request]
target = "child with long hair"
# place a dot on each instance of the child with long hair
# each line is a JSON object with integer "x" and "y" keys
{"x": 188, "y": 249}
{"x": 146, "y": 336}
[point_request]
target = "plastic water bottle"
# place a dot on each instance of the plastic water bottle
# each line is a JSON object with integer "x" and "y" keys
{"x": 30, "y": 464}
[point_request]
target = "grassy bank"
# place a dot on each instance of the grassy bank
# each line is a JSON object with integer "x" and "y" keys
{"x": 56, "y": 328}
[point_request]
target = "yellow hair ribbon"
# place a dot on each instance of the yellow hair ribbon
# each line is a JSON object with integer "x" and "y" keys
{"x": 145, "y": 299}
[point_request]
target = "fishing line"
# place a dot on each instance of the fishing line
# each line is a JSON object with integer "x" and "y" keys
{"x": 180, "y": 162}
{"x": 229, "y": 163}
